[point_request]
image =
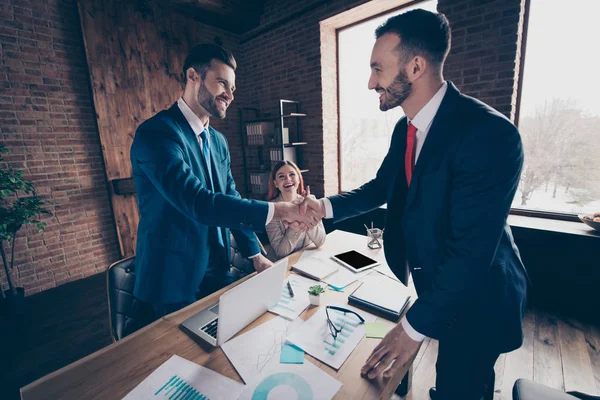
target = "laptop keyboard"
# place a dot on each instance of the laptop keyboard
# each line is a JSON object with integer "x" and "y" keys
{"x": 211, "y": 328}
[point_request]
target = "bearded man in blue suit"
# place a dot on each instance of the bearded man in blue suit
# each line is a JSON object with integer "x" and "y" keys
{"x": 186, "y": 194}
{"x": 448, "y": 179}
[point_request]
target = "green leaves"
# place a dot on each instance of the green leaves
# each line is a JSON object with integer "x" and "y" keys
{"x": 316, "y": 290}
{"x": 19, "y": 204}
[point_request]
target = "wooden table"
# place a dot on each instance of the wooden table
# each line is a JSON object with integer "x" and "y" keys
{"x": 112, "y": 372}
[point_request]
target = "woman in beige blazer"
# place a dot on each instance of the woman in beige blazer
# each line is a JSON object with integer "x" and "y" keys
{"x": 286, "y": 184}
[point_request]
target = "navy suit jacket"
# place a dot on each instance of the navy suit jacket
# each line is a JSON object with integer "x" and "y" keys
{"x": 177, "y": 208}
{"x": 450, "y": 225}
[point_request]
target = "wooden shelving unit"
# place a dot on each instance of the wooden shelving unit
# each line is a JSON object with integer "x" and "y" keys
{"x": 270, "y": 138}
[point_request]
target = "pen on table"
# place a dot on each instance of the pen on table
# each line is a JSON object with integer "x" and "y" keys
{"x": 290, "y": 289}
{"x": 366, "y": 226}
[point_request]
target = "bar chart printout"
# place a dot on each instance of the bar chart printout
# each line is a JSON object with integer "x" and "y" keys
{"x": 288, "y": 306}
{"x": 179, "y": 378}
{"x": 315, "y": 338}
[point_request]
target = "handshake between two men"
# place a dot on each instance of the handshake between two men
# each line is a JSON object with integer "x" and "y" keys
{"x": 302, "y": 214}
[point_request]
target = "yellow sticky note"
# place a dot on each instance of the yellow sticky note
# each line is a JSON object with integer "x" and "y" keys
{"x": 376, "y": 329}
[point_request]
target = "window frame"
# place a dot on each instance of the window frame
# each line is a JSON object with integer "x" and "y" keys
{"x": 523, "y": 47}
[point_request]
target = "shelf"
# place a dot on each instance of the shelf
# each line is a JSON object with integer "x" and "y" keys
{"x": 304, "y": 171}
{"x": 295, "y": 144}
{"x": 275, "y": 118}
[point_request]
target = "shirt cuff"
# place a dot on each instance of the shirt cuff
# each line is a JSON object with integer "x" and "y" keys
{"x": 328, "y": 207}
{"x": 270, "y": 214}
{"x": 256, "y": 255}
{"x": 410, "y": 331}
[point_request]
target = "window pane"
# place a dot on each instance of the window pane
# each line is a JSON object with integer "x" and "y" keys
{"x": 560, "y": 108}
{"x": 365, "y": 131}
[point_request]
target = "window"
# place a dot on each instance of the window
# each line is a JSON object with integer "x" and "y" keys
{"x": 365, "y": 131}
{"x": 560, "y": 109}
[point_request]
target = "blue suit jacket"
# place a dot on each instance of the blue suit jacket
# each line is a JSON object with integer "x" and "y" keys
{"x": 177, "y": 207}
{"x": 450, "y": 225}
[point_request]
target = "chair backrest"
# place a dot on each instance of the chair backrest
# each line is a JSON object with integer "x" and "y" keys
{"x": 241, "y": 265}
{"x": 126, "y": 313}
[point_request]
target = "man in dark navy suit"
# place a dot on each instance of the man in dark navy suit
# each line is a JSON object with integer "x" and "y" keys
{"x": 186, "y": 194}
{"x": 448, "y": 179}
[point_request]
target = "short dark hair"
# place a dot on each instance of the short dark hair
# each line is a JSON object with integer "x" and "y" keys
{"x": 201, "y": 55}
{"x": 421, "y": 32}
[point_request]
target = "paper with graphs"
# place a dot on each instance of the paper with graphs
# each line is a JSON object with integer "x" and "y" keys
{"x": 253, "y": 351}
{"x": 288, "y": 381}
{"x": 179, "y": 378}
{"x": 315, "y": 338}
{"x": 289, "y": 306}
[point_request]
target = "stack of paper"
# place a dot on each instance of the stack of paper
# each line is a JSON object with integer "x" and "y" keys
{"x": 315, "y": 266}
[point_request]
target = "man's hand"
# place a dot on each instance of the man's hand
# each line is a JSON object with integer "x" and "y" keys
{"x": 309, "y": 203}
{"x": 261, "y": 263}
{"x": 290, "y": 213}
{"x": 396, "y": 345}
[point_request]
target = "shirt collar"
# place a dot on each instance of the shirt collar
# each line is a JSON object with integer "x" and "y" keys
{"x": 191, "y": 117}
{"x": 425, "y": 116}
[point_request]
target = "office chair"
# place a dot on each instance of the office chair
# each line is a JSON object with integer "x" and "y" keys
{"x": 524, "y": 389}
{"x": 241, "y": 266}
{"x": 126, "y": 313}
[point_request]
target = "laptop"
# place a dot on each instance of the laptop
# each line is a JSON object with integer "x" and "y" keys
{"x": 238, "y": 307}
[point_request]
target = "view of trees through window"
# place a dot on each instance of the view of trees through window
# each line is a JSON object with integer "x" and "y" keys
{"x": 560, "y": 109}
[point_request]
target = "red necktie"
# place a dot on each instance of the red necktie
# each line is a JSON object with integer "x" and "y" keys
{"x": 409, "y": 156}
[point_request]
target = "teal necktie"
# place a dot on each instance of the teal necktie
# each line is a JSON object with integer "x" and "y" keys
{"x": 206, "y": 154}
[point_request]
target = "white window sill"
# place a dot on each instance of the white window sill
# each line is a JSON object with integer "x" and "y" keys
{"x": 552, "y": 225}
{"x": 548, "y": 225}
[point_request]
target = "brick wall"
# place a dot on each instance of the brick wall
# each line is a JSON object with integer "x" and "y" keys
{"x": 283, "y": 58}
{"x": 485, "y": 45}
{"x": 47, "y": 122}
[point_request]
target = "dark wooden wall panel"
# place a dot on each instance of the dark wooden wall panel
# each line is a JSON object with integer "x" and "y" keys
{"x": 135, "y": 52}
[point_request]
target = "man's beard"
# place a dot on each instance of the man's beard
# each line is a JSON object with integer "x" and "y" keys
{"x": 396, "y": 92}
{"x": 209, "y": 102}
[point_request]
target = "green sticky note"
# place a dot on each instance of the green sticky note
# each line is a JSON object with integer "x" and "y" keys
{"x": 291, "y": 354}
{"x": 376, "y": 329}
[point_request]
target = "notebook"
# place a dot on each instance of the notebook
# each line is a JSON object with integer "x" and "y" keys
{"x": 381, "y": 295}
{"x": 315, "y": 267}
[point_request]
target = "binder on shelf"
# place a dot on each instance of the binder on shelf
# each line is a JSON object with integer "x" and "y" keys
{"x": 259, "y": 182}
{"x": 381, "y": 295}
{"x": 275, "y": 156}
{"x": 257, "y": 131}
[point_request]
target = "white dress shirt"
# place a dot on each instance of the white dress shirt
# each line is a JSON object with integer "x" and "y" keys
{"x": 198, "y": 127}
{"x": 422, "y": 121}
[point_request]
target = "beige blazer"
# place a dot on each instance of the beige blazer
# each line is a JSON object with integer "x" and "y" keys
{"x": 284, "y": 241}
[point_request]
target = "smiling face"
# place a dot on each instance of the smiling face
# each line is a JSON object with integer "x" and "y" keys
{"x": 388, "y": 76}
{"x": 214, "y": 92}
{"x": 287, "y": 180}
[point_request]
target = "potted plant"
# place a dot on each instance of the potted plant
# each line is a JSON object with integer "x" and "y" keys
{"x": 314, "y": 293}
{"x": 19, "y": 205}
